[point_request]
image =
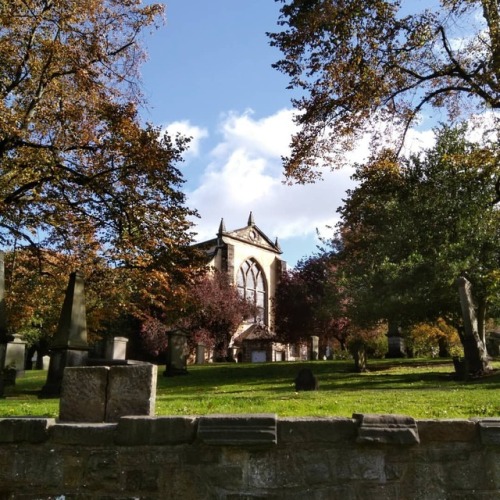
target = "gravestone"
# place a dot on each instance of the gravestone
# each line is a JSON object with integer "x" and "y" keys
{"x": 15, "y": 353}
{"x": 107, "y": 393}
{"x": 305, "y": 380}
{"x": 314, "y": 355}
{"x": 69, "y": 347}
{"x": 200, "y": 354}
{"x": 177, "y": 352}
{"x": 395, "y": 342}
{"x": 116, "y": 348}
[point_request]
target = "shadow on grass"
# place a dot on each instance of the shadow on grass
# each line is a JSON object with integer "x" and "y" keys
{"x": 332, "y": 376}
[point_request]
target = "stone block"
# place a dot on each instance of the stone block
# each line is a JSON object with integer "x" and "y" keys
{"x": 83, "y": 394}
{"x": 137, "y": 431}
{"x": 386, "y": 429}
{"x": 255, "y": 430}
{"x": 451, "y": 430}
{"x": 83, "y": 434}
{"x": 316, "y": 430}
{"x": 489, "y": 430}
{"x": 131, "y": 391}
{"x": 31, "y": 430}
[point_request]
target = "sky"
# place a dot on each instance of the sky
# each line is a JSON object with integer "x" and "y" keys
{"x": 209, "y": 76}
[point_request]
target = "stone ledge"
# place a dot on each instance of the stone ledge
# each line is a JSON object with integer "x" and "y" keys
{"x": 312, "y": 430}
{"x": 25, "y": 429}
{"x": 136, "y": 431}
{"x": 489, "y": 431}
{"x": 254, "y": 430}
{"x": 83, "y": 434}
{"x": 451, "y": 430}
{"x": 386, "y": 429}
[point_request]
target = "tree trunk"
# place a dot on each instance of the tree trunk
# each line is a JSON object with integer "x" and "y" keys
{"x": 476, "y": 357}
{"x": 359, "y": 355}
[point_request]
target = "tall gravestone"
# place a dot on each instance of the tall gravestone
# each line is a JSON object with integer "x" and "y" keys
{"x": 177, "y": 352}
{"x": 314, "y": 343}
{"x": 395, "y": 342}
{"x": 69, "y": 347}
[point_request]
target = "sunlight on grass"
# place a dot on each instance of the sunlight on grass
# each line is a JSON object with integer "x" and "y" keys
{"x": 420, "y": 388}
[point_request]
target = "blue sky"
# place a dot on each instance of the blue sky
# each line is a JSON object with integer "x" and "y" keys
{"x": 209, "y": 76}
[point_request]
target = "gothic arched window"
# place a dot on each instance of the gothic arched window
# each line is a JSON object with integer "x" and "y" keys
{"x": 251, "y": 285}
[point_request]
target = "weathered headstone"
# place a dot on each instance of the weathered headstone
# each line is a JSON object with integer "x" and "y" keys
{"x": 177, "y": 352}
{"x": 314, "y": 355}
{"x": 107, "y": 393}
{"x": 395, "y": 342}
{"x": 15, "y": 355}
{"x": 69, "y": 347}
{"x": 305, "y": 380}
{"x": 200, "y": 354}
{"x": 83, "y": 394}
{"x": 116, "y": 348}
{"x": 131, "y": 391}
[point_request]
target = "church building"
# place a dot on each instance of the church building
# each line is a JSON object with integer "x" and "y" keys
{"x": 254, "y": 265}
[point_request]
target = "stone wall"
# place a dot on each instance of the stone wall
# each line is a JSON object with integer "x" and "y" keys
{"x": 251, "y": 457}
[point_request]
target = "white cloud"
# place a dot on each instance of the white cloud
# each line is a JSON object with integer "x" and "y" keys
{"x": 185, "y": 129}
{"x": 245, "y": 174}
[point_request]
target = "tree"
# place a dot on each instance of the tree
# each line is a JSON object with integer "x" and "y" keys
{"x": 215, "y": 311}
{"x": 307, "y": 303}
{"x": 412, "y": 226}
{"x": 75, "y": 161}
{"x": 362, "y": 64}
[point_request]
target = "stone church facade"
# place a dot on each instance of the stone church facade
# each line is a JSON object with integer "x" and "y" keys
{"x": 253, "y": 263}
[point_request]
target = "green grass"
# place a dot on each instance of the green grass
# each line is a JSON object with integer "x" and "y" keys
{"x": 420, "y": 388}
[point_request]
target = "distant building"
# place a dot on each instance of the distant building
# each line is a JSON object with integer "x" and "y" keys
{"x": 254, "y": 265}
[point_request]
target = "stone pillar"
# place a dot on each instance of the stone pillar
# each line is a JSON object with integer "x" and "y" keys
{"x": 200, "y": 354}
{"x": 314, "y": 354}
{"x": 177, "y": 352}
{"x": 15, "y": 355}
{"x": 116, "y": 348}
{"x": 69, "y": 347}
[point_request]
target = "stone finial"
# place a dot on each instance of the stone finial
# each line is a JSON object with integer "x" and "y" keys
{"x": 251, "y": 221}
{"x": 222, "y": 228}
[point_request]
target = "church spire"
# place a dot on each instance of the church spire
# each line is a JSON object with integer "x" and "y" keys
{"x": 251, "y": 221}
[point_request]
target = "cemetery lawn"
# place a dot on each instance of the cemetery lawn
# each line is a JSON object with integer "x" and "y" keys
{"x": 419, "y": 388}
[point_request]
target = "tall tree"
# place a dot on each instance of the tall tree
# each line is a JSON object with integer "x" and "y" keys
{"x": 307, "y": 302}
{"x": 75, "y": 161}
{"x": 360, "y": 63}
{"x": 412, "y": 227}
{"x": 215, "y": 309}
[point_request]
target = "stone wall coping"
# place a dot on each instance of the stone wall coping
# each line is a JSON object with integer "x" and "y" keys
{"x": 250, "y": 430}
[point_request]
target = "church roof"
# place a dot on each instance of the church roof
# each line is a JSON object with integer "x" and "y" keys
{"x": 250, "y": 233}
